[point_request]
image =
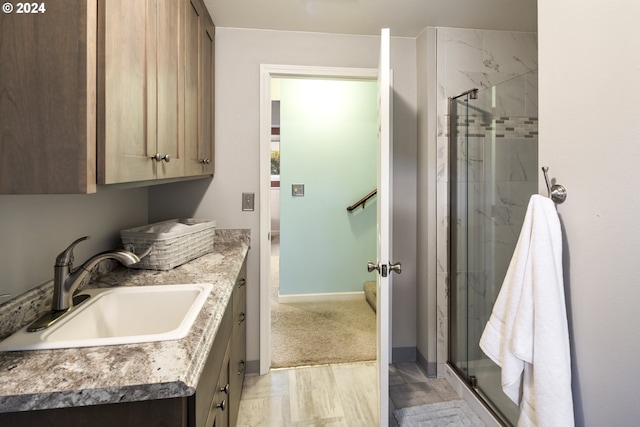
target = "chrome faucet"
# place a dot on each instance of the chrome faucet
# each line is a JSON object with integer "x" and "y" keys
{"x": 67, "y": 279}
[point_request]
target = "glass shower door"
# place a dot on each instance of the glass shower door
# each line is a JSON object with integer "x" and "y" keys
{"x": 493, "y": 165}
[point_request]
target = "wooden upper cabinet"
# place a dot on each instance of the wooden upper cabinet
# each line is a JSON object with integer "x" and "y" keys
{"x": 193, "y": 136}
{"x": 47, "y": 99}
{"x": 140, "y": 118}
{"x": 170, "y": 102}
{"x": 207, "y": 100}
{"x": 103, "y": 92}
{"x": 126, "y": 91}
{"x": 199, "y": 101}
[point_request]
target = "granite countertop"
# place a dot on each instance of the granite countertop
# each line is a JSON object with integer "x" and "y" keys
{"x": 46, "y": 379}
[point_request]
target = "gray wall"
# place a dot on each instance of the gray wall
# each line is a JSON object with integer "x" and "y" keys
{"x": 239, "y": 53}
{"x": 426, "y": 317}
{"x": 590, "y": 139}
{"x": 34, "y": 229}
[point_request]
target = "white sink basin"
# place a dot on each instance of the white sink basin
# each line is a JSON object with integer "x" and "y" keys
{"x": 123, "y": 315}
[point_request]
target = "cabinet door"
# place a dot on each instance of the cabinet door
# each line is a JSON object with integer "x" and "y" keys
{"x": 206, "y": 149}
{"x": 170, "y": 96}
{"x": 158, "y": 412}
{"x": 47, "y": 96}
{"x": 219, "y": 413}
{"x": 193, "y": 132}
{"x": 126, "y": 90}
{"x": 198, "y": 90}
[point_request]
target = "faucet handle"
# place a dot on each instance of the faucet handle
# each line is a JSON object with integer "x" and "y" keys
{"x": 66, "y": 257}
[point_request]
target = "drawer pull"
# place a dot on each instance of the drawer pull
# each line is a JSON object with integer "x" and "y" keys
{"x": 242, "y": 318}
{"x": 241, "y": 367}
{"x": 222, "y": 405}
{"x": 225, "y": 389}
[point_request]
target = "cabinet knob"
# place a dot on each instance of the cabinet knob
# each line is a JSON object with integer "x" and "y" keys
{"x": 159, "y": 157}
{"x": 205, "y": 161}
{"x": 222, "y": 405}
{"x": 241, "y": 318}
{"x": 241, "y": 365}
{"x": 225, "y": 389}
{"x": 242, "y": 282}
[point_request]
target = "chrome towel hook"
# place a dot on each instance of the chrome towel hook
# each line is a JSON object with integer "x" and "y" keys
{"x": 556, "y": 192}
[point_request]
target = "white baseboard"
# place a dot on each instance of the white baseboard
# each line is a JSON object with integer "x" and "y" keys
{"x": 463, "y": 391}
{"x": 338, "y": 296}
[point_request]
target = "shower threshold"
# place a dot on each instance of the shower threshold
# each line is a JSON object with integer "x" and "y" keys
{"x": 487, "y": 413}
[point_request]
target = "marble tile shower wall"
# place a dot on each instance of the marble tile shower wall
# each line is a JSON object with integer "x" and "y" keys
{"x": 502, "y": 174}
{"x": 503, "y": 143}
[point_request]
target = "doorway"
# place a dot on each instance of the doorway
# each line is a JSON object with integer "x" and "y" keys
{"x": 299, "y": 195}
{"x": 324, "y": 150}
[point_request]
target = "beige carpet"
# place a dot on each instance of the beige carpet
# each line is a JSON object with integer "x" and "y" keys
{"x": 317, "y": 333}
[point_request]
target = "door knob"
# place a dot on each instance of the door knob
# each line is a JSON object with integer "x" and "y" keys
{"x": 373, "y": 266}
{"x": 396, "y": 268}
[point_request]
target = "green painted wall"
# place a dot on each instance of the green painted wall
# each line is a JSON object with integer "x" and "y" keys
{"x": 328, "y": 143}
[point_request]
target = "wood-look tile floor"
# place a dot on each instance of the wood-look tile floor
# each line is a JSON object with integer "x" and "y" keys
{"x": 334, "y": 395}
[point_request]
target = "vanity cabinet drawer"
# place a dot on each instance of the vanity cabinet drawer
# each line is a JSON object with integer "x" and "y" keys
{"x": 219, "y": 410}
{"x": 237, "y": 362}
{"x": 207, "y": 389}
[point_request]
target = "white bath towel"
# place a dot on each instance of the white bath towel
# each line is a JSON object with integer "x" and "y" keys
{"x": 527, "y": 333}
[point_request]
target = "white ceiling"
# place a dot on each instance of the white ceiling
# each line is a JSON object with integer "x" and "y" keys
{"x": 405, "y": 18}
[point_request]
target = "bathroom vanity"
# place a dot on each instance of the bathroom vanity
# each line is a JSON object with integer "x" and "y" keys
{"x": 194, "y": 381}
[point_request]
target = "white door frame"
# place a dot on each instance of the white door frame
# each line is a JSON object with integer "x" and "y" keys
{"x": 267, "y": 71}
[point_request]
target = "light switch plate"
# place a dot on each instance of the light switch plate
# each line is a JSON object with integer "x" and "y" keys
{"x": 297, "y": 190}
{"x": 248, "y": 201}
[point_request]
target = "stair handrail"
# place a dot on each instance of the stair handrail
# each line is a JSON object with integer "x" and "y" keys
{"x": 362, "y": 201}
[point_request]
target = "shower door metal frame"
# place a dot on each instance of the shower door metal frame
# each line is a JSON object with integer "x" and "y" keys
{"x": 453, "y": 230}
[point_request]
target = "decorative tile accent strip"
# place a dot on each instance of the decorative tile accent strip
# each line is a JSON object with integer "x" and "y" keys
{"x": 503, "y": 127}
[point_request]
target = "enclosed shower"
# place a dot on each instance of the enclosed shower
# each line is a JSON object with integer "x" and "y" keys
{"x": 493, "y": 164}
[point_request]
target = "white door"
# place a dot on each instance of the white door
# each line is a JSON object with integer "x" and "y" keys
{"x": 383, "y": 264}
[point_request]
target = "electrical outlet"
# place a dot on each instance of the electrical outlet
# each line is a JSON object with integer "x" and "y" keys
{"x": 248, "y": 200}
